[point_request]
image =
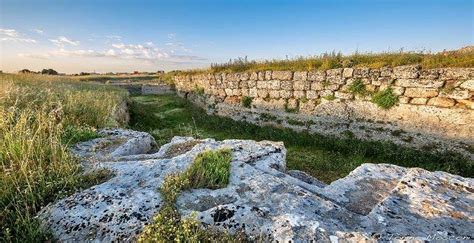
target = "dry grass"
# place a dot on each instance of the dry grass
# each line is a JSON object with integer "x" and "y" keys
{"x": 337, "y": 60}
{"x": 39, "y": 115}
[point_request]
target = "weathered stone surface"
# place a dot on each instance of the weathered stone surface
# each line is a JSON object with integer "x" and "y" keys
{"x": 311, "y": 94}
{"x": 469, "y": 84}
{"x": 455, "y": 94}
{"x": 408, "y": 71}
{"x": 343, "y": 95}
{"x": 441, "y": 102}
{"x": 421, "y": 92}
{"x": 302, "y": 85}
{"x": 419, "y": 101}
{"x": 316, "y": 76}
{"x": 375, "y": 202}
{"x": 300, "y": 76}
{"x": 427, "y": 83}
{"x": 299, "y": 94}
{"x": 282, "y": 75}
{"x": 347, "y": 72}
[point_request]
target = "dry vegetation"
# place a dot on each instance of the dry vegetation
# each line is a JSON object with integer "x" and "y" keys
{"x": 337, "y": 60}
{"x": 40, "y": 117}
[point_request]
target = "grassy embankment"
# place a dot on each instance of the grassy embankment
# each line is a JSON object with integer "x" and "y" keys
{"x": 337, "y": 60}
{"x": 326, "y": 158}
{"x": 40, "y": 116}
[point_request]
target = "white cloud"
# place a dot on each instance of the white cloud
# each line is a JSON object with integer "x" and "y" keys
{"x": 38, "y": 31}
{"x": 14, "y": 36}
{"x": 171, "y": 35}
{"x": 62, "y": 41}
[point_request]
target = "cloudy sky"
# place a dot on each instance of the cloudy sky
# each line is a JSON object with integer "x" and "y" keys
{"x": 106, "y": 35}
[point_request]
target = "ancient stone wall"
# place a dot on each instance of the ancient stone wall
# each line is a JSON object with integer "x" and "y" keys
{"x": 434, "y": 107}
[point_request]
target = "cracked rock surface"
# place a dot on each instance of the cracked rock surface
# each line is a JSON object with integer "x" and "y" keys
{"x": 263, "y": 198}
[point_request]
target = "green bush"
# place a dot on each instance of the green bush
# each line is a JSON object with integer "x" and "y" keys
{"x": 329, "y": 97}
{"x": 385, "y": 99}
{"x": 358, "y": 87}
{"x": 246, "y": 101}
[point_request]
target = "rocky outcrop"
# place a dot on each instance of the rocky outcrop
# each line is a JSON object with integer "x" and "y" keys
{"x": 263, "y": 198}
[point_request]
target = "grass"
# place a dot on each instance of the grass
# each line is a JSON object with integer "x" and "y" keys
{"x": 358, "y": 87}
{"x": 385, "y": 99}
{"x": 326, "y": 158}
{"x": 337, "y": 60}
{"x": 210, "y": 169}
{"x": 40, "y": 117}
{"x": 246, "y": 101}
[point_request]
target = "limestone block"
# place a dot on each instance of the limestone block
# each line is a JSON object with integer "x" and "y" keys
{"x": 454, "y": 73}
{"x": 234, "y": 100}
{"x": 282, "y": 75}
{"x": 299, "y": 94}
{"x": 228, "y": 92}
{"x": 244, "y": 76}
{"x": 244, "y": 92}
{"x": 274, "y": 84}
{"x": 274, "y": 94}
{"x": 361, "y": 72}
{"x": 317, "y": 76}
{"x": 262, "y": 93}
{"x": 253, "y": 76}
{"x": 403, "y": 100}
{"x": 467, "y": 103}
{"x": 421, "y": 92}
{"x": 317, "y": 85}
{"x": 347, "y": 73}
{"x": 300, "y": 76}
{"x": 251, "y": 83}
{"x": 261, "y": 75}
{"x": 426, "y": 83}
{"x": 429, "y": 74}
{"x": 286, "y": 94}
{"x": 244, "y": 84}
{"x": 268, "y": 75}
{"x": 332, "y": 87}
{"x": 236, "y": 92}
{"x": 370, "y": 88}
{"x": 325, "y": 93}
{"x": 302, "y": 85}
{"x": 374, "y": 74}
{"x": 469, "y": 85}
{"x": 311, "y": 94}
{"x": 457, "y": 94}
{"x": 334, "y": 73}
{"x": 253, "y": 92}
{"x": 222, "y": 92}
{"x": 419, "y": 101}
{"x": 441, "y": 102}
{"x": 286, "y": 85}
{"x": 407, "y": 71}
{"x": 292, "y": 103}
{"x": 386, "y": 72}
{"x": 344, "y": 96}
{"x": 307, "y": 107}
{"x": 262, "y": 85}
{"x": 398, "y": 90}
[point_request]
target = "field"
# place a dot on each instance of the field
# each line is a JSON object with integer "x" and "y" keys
{"x": 40, "y": 117}
{"x": 325, "y": 158}
{"x": 464, "y": 58}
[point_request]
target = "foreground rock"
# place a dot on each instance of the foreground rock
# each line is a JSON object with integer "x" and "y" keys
{"x": 374, "y": 202}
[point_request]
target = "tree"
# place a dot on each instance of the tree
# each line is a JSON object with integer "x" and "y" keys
{"x": 49, "y": 72}
{"x": 25, "y": 71}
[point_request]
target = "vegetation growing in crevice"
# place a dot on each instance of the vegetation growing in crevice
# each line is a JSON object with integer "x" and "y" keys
{"x": 329, "y": 97}
{"x": 292, "y": 109}
{"x": 385, "y": 99}
{"x": 198, "y": 90}
{"x": 358, "y": 87}
{"x": 246, "y": 101}
{"x": 210, "y": 169}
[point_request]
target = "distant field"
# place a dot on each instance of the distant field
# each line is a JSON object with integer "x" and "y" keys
{"x": 326, "y": 61}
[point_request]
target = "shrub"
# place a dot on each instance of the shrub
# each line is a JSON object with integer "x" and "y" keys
{"x": 329, "y": 97}
{"x": 210, "y": 169}
{"x": 385, "y": 99}
{"x": 246, "y": 101}
{"x": 198, "y": 90}
{"x": 358, "y": 87}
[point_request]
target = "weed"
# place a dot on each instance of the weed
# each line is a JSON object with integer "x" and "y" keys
{"x": 329, "y": 97}
{"x": 198, "y": 90}
{"x": 295, "y": 122}
{"x": 385, "y": 99}
{"x": 358, "y": 87}
{"x": 267, "y": 117}
{"x": 246, "y": 101}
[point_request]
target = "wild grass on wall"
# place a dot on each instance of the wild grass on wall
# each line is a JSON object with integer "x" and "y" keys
{"x": 39, "y": 117}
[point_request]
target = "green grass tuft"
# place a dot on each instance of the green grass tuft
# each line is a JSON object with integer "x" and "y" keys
{"x": 247, "y": 101}
{"x": 385, "y": 99}
{"x": 358, "y": 87}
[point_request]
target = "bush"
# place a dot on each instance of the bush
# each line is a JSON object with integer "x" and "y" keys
{"x": 385, "y": 99}
{"x": 358, "y": 87}
{"x": 246, "y": 101}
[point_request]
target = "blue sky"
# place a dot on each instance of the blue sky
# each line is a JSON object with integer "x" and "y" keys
{"x": 100, "y": 35}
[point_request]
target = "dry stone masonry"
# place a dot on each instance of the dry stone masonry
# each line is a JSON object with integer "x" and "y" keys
{"x": 434, "y": 109}
{"x": 373, "y": 203}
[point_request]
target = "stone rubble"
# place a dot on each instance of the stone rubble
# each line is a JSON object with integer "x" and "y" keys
{"x": 375, "y": 202}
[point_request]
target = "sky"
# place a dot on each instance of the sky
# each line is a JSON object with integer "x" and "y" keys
{"x": 123, "y": 36}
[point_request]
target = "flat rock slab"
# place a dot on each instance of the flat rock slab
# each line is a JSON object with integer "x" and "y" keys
{"x": 263, "y": 199}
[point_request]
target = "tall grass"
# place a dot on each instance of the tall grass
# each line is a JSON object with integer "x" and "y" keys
{"x": 39, "y": 116}
{"x": 337, "y": 60}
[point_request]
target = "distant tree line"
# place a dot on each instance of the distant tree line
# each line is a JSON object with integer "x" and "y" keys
{"x": 44, "y": 71}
